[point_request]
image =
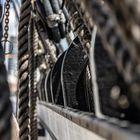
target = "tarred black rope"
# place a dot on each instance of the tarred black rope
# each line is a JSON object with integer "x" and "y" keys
{"x": 23, "y": 56}
{"x": 33, "y": 85}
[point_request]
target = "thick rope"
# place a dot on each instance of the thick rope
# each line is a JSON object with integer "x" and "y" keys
{"x": 33, "y": 85}
{"x": 23, "y": 56}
